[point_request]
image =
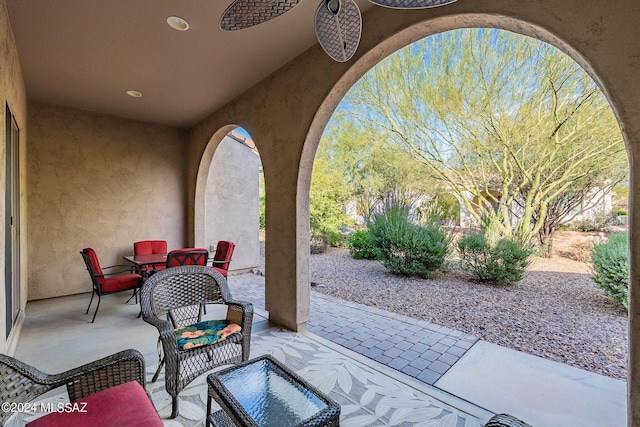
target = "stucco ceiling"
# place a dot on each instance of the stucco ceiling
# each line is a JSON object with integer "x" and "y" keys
{"x": 88, "y": 53}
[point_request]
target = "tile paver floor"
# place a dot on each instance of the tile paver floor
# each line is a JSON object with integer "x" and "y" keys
{"x": 500, "y": 380}
{"x": 417, "y": 348}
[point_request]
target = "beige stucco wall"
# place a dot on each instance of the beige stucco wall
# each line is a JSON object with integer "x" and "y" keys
{"x": 13, "y": 94}
{"x": 286, "y": 113}
{"x": 296, "y": 101}
{"x": 231, "y": 202}
{"x": 101, "y": 182}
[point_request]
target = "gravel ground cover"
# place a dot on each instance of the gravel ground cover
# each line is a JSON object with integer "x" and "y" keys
{"x": 556, "y": 312}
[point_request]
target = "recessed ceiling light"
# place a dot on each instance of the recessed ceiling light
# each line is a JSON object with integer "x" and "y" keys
{"x": 134, "y": 93}
{"x": 177, "y": 23}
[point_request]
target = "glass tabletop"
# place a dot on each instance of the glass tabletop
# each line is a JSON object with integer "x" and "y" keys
{"x": 146, "y": 259}
{"x": 269, "y": 396}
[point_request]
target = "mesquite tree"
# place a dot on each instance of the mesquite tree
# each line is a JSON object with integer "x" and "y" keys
{"x": 508, "y": 122}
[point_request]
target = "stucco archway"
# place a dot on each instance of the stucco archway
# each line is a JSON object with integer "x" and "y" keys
{"x": 418, "y": 31}
{"x": 289, "y": 109}
{"x": 226, "y": 202}
{"x": 201, "y": 183}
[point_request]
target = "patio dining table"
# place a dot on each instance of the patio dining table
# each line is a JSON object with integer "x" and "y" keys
{"x": 146, "y": 262}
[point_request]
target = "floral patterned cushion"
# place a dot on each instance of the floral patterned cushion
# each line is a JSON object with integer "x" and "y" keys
{"x": 204, "y": 333}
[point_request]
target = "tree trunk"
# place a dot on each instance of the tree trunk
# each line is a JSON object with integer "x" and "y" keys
{"x": 545, "y": 237}
{"x": 549, "y": 252}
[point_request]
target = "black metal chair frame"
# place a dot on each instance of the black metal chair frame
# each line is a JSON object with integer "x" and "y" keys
{"x": 188, "y": 258}
{"x": 97, "y": 289}
{"x": 175, "y": 297}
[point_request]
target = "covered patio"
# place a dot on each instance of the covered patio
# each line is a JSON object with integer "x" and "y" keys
{"x": 487, "y": 379}
{"x": 369, "y": 393}
{"x": 88, "y": 166}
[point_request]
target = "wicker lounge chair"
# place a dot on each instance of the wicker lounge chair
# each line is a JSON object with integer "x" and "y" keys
{"x": 505, "y": 420}
{"x": 172, "y": 299}
{"x": 97, "y": 384}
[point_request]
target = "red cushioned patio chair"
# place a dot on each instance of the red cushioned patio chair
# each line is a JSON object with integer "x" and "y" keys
{"x": 222, "y": 257}
{"x": 122, "y": 279}
{"x": 187, "y": 256}
{"x": 151, "y": 247}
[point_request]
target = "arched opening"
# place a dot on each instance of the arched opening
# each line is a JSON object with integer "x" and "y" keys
{"x": 227, "y": 197}
{"x": 331, "y": 101}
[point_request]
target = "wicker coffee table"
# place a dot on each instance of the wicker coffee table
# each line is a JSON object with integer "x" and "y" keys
{"x": 264, "y": 393}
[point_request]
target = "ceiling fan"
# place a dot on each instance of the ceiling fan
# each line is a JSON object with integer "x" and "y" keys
{"x": 338, "y": 22}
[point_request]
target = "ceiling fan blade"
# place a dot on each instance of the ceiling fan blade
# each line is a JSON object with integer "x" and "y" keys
{"x": 338, "y": 28}
{"x": 246, "y": 13}
{"x": 411, "y": 4}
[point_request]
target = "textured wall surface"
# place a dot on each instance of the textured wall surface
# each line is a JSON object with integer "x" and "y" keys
{"x": 101, "y": 182}
{"x": 287, "y": 112}
{"x": 231, "y": 202}
{"x": 13, "y": 95}
{"x": 75, "y": 156}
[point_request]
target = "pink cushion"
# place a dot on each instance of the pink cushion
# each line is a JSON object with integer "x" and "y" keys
{"x": 123, "y": 405}
{"x": 121, "y": 283}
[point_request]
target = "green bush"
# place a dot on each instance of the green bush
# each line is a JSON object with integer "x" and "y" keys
{"x": 502, "y": 263}
{"x": 621, "y": 211}
{"x": 610, "y": 261}
{"x": 361, "y": 246}
{"x": 261, "y": 211}
{"x": 407, "y": 248}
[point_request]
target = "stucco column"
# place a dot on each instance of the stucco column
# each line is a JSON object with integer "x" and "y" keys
{"x": 287, "y": 294}
{"x": 633, "y": 373}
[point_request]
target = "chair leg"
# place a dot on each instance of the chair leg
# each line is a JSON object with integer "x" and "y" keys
{"x": 135, "y": 294}
{"x": 174, "y": 406}
{"x": 155, "y": 376}
{"x": 97, "y": 307}
{"x": 93, "y": 292}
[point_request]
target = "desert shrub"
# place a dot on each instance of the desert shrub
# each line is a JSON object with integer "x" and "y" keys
{"x": 501, "y": 263}
{"x": 620, "y": 211}
{"x": 327, "y": 197}
{"x": 408, "y": 248}
{"x": 601, "y": 221}
{"x": 261, "y": 212}
{"x": 442, "y": 208}
{"x": 336, "y": 239}
{"x": 610, "y": 262}
{"x": 582, "y": 251}
{"x": 361, "y": 246}
{"x": 318, "y": 244}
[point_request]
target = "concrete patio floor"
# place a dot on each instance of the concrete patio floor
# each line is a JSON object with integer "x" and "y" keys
{"x": 482, "y": 380}
{"x": 57, "y": 336}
